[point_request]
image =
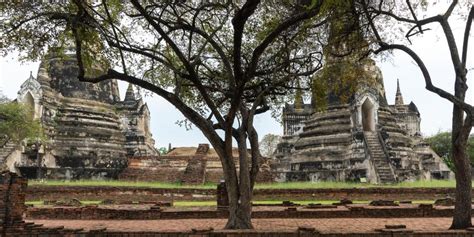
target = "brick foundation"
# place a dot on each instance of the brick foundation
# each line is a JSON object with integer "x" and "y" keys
{"x": 12, "y": 199}
{"x": 12, "y": 208}
{"x": 187, "y": 165}
{"x": 35, "y": 193}
{"x": 103, "y": 213}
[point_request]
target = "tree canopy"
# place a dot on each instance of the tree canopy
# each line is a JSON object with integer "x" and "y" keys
{"x": 219, "y": 63}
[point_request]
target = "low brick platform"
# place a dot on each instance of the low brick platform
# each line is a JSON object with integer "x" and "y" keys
{"x": 151, "y": 212}
{"x": 12, "y": 207}
{"x": 40, "y": 192}
{"x": 360, "y": 227}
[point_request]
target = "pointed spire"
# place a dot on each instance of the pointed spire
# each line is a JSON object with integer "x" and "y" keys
{"x": 31, "y": 76}
{"x": 130, "y": 94}
{"x": 398, "y": 95}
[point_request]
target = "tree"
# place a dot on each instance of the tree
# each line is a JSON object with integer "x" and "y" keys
{"x": 404, "y": 19}
{"x": 163, "y": 150}
{"x": 219, "y": 63}
{"x": 268, "y": 144}
{"x": 441, "y": 144}
{"x": 16, "y": 122}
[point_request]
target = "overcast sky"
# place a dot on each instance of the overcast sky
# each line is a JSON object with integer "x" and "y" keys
{"x": 435, "y": 111}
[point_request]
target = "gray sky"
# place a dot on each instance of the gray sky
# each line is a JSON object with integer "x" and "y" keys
{"x": 435, "y": 111}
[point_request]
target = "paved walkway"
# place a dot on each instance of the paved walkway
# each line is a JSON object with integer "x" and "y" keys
{"x": 337, "y": 225}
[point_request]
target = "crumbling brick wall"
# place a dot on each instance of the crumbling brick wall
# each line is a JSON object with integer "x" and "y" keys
{"x": 12, "y": 200}
{"x": 12, "y": 209}
{"x": 195, "y": 171}
{"x": 188, "y": 169}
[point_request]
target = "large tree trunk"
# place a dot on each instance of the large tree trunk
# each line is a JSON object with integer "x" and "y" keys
{"x": 240, "y": 207}
{"x": 462, "y": 208}
{"x": 462, "y": 164}
{"x": 239, "y": 217}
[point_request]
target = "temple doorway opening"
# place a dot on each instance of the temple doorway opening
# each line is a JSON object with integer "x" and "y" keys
{"x": 368, "y": 116}
{"x": 30, "y": 102}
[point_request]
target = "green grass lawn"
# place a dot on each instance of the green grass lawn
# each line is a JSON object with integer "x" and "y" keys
{"x": 324, "y": 202}
{"x": 288, "y": 185}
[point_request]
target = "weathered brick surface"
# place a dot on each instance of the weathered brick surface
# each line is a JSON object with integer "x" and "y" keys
{"x": 117, "y": 193}
{"x": 12, "y": 207}
{"x": 187, "y": 165}
{"x": 195, "y": 172}
{"x": 12, "y": 198}
{"x": 292, "y": 212}
{"x": 432, "y": 227}
{"x": 169, "y": 175}
{"x": 159, "y": 194}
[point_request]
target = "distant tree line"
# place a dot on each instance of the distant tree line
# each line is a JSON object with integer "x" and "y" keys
{"x": 441, "y": 144}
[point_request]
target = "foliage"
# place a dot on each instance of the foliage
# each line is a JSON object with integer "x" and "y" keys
{"x": 441, "y": 144}
{"x": 219, "y": 63}
{"x": 268, "y": 144}
{"x": 163, "y": 150}
{"x": 345, "y": 71}
{"x": 16, "y": 122}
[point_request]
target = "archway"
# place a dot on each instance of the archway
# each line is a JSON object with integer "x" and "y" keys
{"x": 368, "y": 116}
{"x": 30, "y": 102}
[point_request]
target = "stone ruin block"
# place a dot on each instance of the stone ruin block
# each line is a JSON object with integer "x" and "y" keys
{"x": 12, "y": 199}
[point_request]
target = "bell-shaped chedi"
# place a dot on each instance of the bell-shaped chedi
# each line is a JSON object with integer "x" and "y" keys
{"x": 349, "y": 132}
{"x": 90, "y": 131}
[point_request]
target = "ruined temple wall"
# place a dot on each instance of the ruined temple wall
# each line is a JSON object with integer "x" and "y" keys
{"x": 135, "y": 121}
{"x": 332, "y": 146}
{"x": 65, "y": 68}
{"x": 399, "y": 145}
{"x": 174, "y": 169}
{"x": 78, "y": 118}
{"x": 85, "y": 134}
{"x": 327, "y": 149}
{"x": 12, "y": 199}
{"x": 83, "y": 123}
{"x": 410, "y": 122}
{"x": 360, "y": 162}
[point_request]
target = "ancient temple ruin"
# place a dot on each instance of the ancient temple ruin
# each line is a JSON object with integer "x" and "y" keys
{"x": 364, "y": 139}
{"x": 187, "y": 165}
{"x": 349, "y": 132}
{"x": 89, "y": 130}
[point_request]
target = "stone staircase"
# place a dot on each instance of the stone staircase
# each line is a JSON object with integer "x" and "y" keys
{"x": 6, "y": 148}
{"x": 379, "y": 159}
